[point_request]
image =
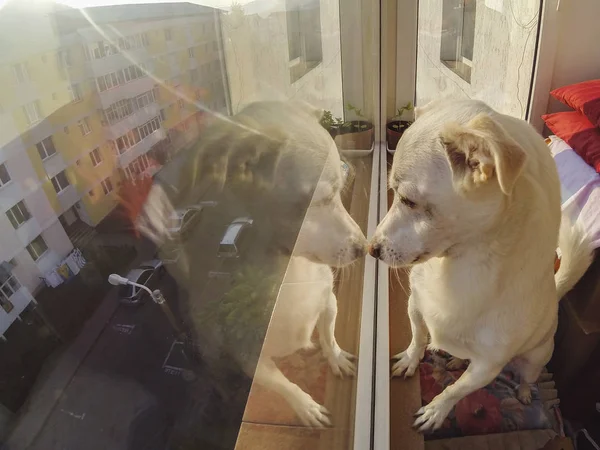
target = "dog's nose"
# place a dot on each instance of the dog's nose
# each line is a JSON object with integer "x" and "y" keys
{"x": 359, "y": 251}
{"x": 375, "y": 250}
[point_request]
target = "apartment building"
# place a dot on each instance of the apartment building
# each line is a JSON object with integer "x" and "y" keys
{"x": 98, "y": 96}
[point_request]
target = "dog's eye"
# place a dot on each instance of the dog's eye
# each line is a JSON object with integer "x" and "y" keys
{"x": 405, "y": 201}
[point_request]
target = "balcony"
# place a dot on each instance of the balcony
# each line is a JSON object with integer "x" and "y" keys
{"x": 19, "y": 300}
{"x": 54, "y": 164}
{"x": 68, "y": 197}
{"x": 131, "y": 89}
{"x": 112, "y": 63}
{"x": 140, "y": 117}
{"x": 141, "y": 147}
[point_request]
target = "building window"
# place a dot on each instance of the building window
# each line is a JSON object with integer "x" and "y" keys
{"x": 46, "y": 148}
{"x": 191, "y": 52}
{"x": 4, "y": 176}
{"x": 60, "y": 182}
{"x": 84, "y": 126}
{"x": 145, "y": 99}
{"x": 107, "y": 186}
{"x": 18, "y": 214}
{"x": 114, "y": 79}
{"x": 96, "y": 157}
{"x": 75, "y": 93}
{"x": 86, "y": 53}
{"x": 21, "y": 72}
{"x": 37, "y": 247}
{"x": 162, "y": 115}
{"x": 194, "y": 75}
{"x": 456, "y": 50}
{"x": 304, "y": 37}
{"x": 167, "y": 34}
{"x": 32, "y": 112}
{"x": 63, "y": 58}
{"x": 8, "y": 287}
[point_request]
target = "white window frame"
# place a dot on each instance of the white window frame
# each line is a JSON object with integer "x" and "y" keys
{"x": 75, "y": 92}
{"x": 5, "y": 182}
{"x": 56, "y": 182}
{"x": 32, "y": 112}
{"x": 43, "y": 147}
{"x": 21, "y": 73}
{"x": 33, "y": 252}
{"x": 21, "y": 208}
{"x": 107, "y": 185}
{"x": 96, "y": 157}
{"x": 84, "y": 126}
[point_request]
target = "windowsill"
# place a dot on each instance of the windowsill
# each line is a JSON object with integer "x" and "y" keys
{"x": 41, "y": 256}
{"x": 8, "y": 183}
{"x": 49, "y": 157}
{"x": 302, "y": 68}
{"x": 459, "y": 68}
{"x": 21, "y": 224}
{"x": 63, "y": 190}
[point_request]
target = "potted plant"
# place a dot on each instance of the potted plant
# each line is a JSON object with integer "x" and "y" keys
{"x": 331, "y": 124}
{"x": 396, "y": 127}
{"x": 355, "y": 134}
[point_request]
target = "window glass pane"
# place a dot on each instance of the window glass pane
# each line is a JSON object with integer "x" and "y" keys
{"x": 258, "y": 123}
{"x": 477, "y": 49}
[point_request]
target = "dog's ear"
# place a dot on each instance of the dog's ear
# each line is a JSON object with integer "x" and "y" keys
{"x": 236, "y": 155}
{"x": 254, "y": 159}
{"x": 481, "y": 149}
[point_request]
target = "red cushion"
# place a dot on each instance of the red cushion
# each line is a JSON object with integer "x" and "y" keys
{"x": 583, "y": 137}
{"x": 583, "y": 97}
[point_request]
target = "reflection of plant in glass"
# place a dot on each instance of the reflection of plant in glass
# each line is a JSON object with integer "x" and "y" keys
{"x": 398, "y": 124}
{"x": 408, "y": 107}
{"x": 328, "y": 121}
{"x": 363, "y": 125}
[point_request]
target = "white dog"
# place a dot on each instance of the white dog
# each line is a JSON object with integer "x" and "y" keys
{"x": 286, "y": 162}
{"x": 477, "y": 212}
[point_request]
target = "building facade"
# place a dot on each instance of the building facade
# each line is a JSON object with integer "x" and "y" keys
{"x": 97, "y": 97}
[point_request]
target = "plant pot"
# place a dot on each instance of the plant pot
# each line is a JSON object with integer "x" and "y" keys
{"x": 358, "y": 135}
{"x": 333, "y": 131}
{"x": 394, "y": 131}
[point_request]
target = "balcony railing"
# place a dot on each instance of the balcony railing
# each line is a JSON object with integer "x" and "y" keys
{"x": 140, "y": 148}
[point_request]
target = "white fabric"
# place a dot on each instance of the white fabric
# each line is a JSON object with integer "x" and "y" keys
{"x": 580, "y": 188}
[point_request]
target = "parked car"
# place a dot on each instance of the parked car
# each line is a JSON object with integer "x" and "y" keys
{"x": 181, "y": 220}
{"x": 229, "y": 245}
{"x": 147, "y": 274}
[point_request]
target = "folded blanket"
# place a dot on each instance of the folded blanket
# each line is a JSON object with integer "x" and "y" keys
{"x": 580, "y": 188}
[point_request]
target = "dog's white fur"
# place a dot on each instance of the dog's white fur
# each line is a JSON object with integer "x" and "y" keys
{"x": 328, "y": 237}
{"x": 477, "y": 212}
{"x": 298, "y": 159}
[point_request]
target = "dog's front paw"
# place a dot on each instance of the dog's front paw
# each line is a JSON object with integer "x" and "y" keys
{"x": 432, "y": 416}
{"x": 406, "y": 364}
{"x": 524, "y": 393}
{"x": 310, "y": 413}
{"x": 342, "y": 363}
